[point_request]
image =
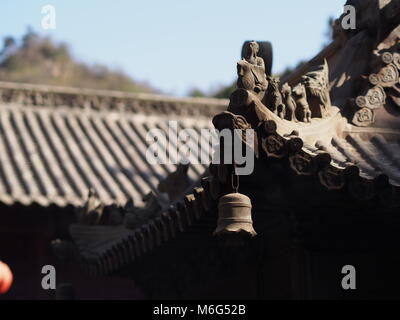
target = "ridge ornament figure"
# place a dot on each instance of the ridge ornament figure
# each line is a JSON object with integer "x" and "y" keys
{"x": 251, "y": 71}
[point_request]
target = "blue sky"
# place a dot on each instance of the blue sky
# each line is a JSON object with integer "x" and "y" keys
{"x": 177, "y": 44}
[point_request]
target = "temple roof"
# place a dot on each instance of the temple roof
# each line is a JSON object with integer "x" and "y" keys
{"x": 348, "y": 141}
{"x": 57, "y": 143}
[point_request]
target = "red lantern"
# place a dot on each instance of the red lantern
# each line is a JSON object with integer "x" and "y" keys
{"x": 6, "y": 278}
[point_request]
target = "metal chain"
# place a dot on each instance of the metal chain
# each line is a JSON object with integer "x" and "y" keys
{"x": 235, "y": 179}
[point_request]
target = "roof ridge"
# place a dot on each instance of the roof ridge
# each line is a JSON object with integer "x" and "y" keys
{"x": 55, "y": 96}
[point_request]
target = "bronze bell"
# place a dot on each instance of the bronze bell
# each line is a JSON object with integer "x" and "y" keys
{"x": 234, "y": 211}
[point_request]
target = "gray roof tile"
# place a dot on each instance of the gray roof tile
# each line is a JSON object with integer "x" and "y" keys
{"x": 55, "y": 154}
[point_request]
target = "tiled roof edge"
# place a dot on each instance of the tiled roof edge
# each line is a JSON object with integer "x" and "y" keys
{"x": 155, "y": 233}
{"x": 306, "y": 162}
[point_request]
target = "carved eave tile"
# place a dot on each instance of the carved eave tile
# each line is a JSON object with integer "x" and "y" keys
{"x": 332, "y": 177}
{"x": 383, "y": 82}
{"x": 302, "y": 163}
{"x": 275, "y": 146}
{"x": 364, "y": 117}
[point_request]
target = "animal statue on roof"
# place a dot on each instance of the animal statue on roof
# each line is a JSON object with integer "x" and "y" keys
{"x": 176, "y": 183}
{"x": 134, "y": 217}
{"x": 316, "y": 82}
{"x": 289, "y": 102}
{"x": 303, "y": 108}
{"x": 273, "y": 98}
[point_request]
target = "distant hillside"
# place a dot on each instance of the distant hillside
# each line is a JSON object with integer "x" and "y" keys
{"x": 40, "y": 60}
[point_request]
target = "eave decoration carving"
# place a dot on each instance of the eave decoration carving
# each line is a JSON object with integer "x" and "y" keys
{"x": 383, "y": 88}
